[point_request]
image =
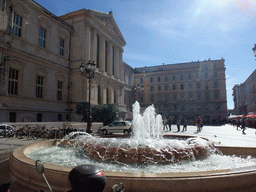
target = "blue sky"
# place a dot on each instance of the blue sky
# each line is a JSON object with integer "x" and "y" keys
{"x": 171, "y": 31}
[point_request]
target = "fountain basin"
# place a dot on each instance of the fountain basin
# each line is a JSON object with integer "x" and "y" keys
{"x": 241, "y": 179}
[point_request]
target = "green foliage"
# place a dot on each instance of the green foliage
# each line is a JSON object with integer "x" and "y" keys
{"x": 82, "y": 108}
{"x": 105, "y": 113}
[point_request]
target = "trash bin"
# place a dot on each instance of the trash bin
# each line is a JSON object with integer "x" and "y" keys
{"x": 87, "y": 178}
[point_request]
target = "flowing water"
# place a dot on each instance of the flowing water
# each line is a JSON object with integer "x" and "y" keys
{"x": 122, "y": 155}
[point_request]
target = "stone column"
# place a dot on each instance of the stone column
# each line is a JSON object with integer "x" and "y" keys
{"x": 87, "y": 43}
{"x": 102, "y": 53}
{"x": 93, "y": 45}
{"x": 110, "y": 52}
{"x": 116, "y": 67}
{"x": 121, "y": 70}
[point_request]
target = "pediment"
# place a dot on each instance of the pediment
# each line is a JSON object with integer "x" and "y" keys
{"x": 107, "y": 20}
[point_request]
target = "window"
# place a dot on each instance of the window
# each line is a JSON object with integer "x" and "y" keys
{"x": 59, "y": 91}
{"x": 197, "y": 76}
{"x": 151, "y": 80}
{"x": 216, "y": 84}
{"x": 59, "y": 117}
{"x": 191, "y": 107}
{"x": 206, "y": 86}
{"x": 216, "y": 95}
{"x": 151, "y": 88}
{"x": 42, "y": 37}
{"x": 159, "y": 88}
{"x": 174, "y": 97}
{"x": 182, "y": 96}
{"x": 39, "y": 117}
{"x": 181, "y": 77}
{"x": 173, "y": 87}
{"x": 166, "y": 78}
{"x": 182, "y": 86}
{"x": 61, "y": 48}
{"x": 173, "y": 78}
{"x": 39, "y": 86}
{"x": 152, "y": 99}
{"x": 13, "y": 82}
{"x": 16, "y": 25}
{"x": 190, "y": 86}
{"x": 205, "y": 66}
{"x": 198, "y": 96}
{"x": 158, "y": 79}
{"x": 12, "y": 116}
{"x": 207, "y": 96}
{"x": 215, "y": 75}
{"x": 190, "y": 76}
{"x": 190, "y": 97}
{"x": 206, "y": 76}
{"x": 198, "y": 86}
{"x": 166, "y": 87}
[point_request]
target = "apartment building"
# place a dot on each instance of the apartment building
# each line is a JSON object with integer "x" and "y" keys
{"x": 185, "y": 90}
{"x": 40, "y": 57}
{"x": 244, "y": 96}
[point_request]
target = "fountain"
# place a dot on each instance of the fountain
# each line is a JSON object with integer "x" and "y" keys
{"x": 141, "y": 163}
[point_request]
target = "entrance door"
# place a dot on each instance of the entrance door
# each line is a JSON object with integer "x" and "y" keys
{"x": 12, "y": 117}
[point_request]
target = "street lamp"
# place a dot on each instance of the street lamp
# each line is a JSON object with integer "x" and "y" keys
{"x": 138, "y": 88}
{"x": 88, "y": 72}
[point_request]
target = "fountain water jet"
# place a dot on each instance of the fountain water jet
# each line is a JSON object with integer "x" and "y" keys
{"x": 147, "y": 146}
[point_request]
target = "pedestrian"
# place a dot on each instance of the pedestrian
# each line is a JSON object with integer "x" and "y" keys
{"x": 165, "y": 124}
{"x": 243, "y": 126}
{"x": 237, "y": 124}
{"x": 199, "y": 124}
{"x": 170, "y": 123}
{"x": 185, "y": 124}
{"x": 178, "y": 125}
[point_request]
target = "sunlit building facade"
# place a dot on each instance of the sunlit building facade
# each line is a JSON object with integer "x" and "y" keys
{"x": 40, "y": 56}
{"x": 185, "y": 90}
{"x": 244, "y": 96}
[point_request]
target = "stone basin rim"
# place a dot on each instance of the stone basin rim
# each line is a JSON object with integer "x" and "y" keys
{"x": 20, "y": 155}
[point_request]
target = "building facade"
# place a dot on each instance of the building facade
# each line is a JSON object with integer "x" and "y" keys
{"x": 244, "y": 96}
{"x": 40, "y": 55}
{"x": 185, "y": 90}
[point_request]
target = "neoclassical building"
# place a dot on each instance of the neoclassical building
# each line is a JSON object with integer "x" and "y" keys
{"x": 185, "y": 90}
{"x": 40, "y": 58}
{"x": 244, "y": 96}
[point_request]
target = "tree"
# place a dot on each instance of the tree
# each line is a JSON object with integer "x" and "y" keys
{"x": 82, "y": 108}
{"x": 105, "y": 113}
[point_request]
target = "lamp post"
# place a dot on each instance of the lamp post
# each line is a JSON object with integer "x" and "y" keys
{"x": 254, "y": 50}
{"x": 88, "y": 72}
{"x": 138, "y": 88}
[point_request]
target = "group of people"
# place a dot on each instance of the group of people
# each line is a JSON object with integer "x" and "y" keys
{"x": 168, "y": 123}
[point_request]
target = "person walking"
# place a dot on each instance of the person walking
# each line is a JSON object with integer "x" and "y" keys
{"x": 170, "y": 123}
{"x": 165, "y": 124}
{"x": 198, "y": 123}
{"x": 178, "y": 125}
{"x": 201, "y": 123}
{"x": 243, "y": 126}
{"x": 185, "y": 124}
